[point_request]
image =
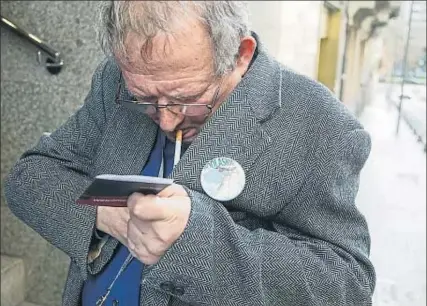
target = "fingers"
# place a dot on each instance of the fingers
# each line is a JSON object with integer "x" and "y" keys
{"x": 142, "y": 253}
{"x": 143, "y": 245}
{"x": 156, "y": 222}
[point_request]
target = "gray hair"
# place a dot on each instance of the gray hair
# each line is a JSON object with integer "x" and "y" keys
{"x": 226, "y": 23}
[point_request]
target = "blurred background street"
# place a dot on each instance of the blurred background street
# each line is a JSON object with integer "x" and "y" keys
{"x": 370, "y": 54}
{"x": 392, "y": 196}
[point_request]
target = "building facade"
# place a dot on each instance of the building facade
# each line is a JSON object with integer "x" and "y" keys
{"x": 338, "y": 43}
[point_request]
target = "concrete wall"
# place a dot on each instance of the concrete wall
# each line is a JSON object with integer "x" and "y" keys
{"x": 32, "y": 102}
{"x": 300, "y": 35}
{"x": 290, "y": 30}
{"x": 265, "y": 18}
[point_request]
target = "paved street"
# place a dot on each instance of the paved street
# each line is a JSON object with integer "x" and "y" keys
{"x": 393, "y": 198}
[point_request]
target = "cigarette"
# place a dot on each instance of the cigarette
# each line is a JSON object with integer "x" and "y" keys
{"x": 178, "y": 143}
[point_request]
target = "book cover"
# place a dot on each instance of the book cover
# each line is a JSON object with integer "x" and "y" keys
{"x": 113, "y": 190}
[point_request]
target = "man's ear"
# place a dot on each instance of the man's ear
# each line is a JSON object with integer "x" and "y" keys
{"x": 246, "y": 52}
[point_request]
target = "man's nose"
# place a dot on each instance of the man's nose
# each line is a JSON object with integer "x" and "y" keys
{"x": 168, "y": 121}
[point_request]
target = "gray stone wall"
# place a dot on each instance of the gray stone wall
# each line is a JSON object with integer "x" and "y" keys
{"x": 290, "y": 30}
{"x": 34, "y": 101}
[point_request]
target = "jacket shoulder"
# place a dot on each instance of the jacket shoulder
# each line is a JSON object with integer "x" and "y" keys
{"x": 104, "y": 85}
{"x": 301, "y": 94}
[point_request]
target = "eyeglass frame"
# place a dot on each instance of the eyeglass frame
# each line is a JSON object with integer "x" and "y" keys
{"x": 209, "y": 106}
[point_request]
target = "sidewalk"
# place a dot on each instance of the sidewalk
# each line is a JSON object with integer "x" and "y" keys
{"x": 392, "y": 197}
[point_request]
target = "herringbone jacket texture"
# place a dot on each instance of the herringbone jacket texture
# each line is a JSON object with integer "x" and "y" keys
{"x": 294, "y": 236}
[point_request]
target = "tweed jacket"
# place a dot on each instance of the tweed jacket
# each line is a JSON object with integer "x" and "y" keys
{"x": 294, "y": 236}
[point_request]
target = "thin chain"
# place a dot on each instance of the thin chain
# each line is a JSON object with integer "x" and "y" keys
{"x": 104, "y": 297}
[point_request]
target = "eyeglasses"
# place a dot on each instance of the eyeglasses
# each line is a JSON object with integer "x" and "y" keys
{"x": 152, "y": 108}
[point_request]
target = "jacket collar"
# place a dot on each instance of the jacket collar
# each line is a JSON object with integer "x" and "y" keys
{"x": 261, "y": 85}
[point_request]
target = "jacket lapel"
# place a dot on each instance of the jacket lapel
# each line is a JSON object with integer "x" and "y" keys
{"x": 127, "y": 146}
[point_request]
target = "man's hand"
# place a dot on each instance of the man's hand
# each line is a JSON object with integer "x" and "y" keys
{"x": 113, "y": 221}
{"x": 156, "y": 222}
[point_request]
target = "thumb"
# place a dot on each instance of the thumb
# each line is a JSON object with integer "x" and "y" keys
{"x": 173, "y": 190}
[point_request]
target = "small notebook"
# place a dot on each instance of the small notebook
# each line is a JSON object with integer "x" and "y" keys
{"x": 113, "y": 190}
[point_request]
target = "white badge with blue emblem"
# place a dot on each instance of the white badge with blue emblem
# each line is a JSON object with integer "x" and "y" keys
{"x": 223, "y": 179}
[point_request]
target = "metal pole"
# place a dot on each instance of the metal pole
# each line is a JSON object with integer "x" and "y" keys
{"x": 392, "y": 73}
{"x": 405, "y": 57}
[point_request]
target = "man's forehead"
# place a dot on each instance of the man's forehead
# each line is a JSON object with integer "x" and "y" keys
{"x": 189, "y": 47}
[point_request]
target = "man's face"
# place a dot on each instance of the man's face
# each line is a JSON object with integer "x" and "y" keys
{"x": 179, "y": 70}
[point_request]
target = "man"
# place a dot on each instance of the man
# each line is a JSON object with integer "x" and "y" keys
{"x": 292, "y": 236}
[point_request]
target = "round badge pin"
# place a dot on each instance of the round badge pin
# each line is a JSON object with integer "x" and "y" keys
{"x": 223, "y": 179}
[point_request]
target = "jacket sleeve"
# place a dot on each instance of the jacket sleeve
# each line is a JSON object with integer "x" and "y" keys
{"x": 43, "y": 185}
{"x": 316, "y": 252}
